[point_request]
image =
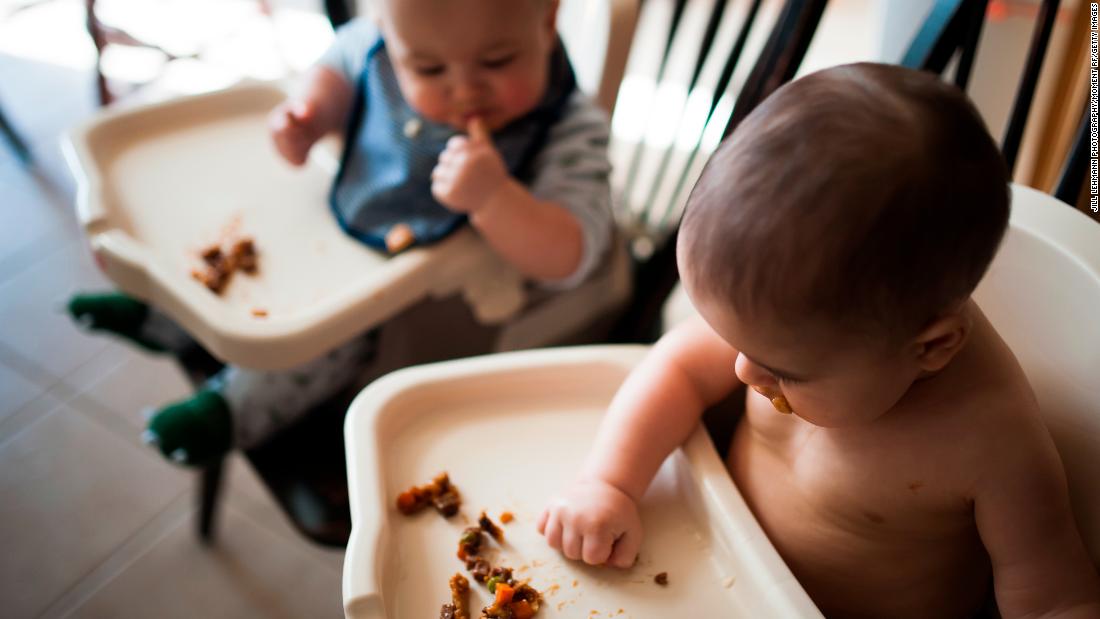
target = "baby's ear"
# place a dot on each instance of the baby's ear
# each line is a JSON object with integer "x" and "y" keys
{"x": 551, "y": 18}
{"x": 939, "y": 342}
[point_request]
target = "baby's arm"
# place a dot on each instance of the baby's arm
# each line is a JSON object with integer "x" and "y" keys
{"x": 321, "y": 106}
{"x": 1040, "y": 566}
{"x": 541, "y": 239}
{"x": 654, "y": 411}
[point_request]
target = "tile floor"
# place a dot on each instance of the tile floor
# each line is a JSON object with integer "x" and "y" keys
{"x": 92, "y": 523}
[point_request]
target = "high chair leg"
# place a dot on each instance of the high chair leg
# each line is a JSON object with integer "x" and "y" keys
{"x": 210, "y": 480}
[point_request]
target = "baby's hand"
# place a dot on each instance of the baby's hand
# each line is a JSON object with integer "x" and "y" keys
{"x": 469, "y": 170}
{"x": 594, "y": 521}
{"x": 293, "y": 126}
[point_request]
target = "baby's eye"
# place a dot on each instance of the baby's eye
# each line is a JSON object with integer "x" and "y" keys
{"x": 429, "y": 71}
{"x": 497, "y": 63}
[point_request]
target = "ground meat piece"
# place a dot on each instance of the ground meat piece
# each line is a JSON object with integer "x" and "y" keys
{"x": 244, "y": 256}
{"x": 469, "y": 545}
{"x": 439, "y": 492}
{"x": 479, "y": 568}
{"x": 489, "y": 527}
{"x": 447, "y": 503}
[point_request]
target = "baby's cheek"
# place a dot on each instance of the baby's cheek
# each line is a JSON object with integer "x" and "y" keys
{"x": 428, "y": 102}
{"x": 517, "y": 97}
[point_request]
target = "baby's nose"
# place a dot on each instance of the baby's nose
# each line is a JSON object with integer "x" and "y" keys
{"x": 754, "y": 375}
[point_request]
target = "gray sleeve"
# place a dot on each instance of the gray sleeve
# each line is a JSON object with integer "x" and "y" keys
{"x": 348, "y": 52}
{"x": 573, "y": 171}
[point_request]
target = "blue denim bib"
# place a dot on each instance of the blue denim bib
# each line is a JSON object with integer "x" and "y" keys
{"x": 385, "y": 172}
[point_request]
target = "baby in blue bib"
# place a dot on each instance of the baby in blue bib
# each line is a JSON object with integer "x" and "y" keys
{"x": 453, "y": 112}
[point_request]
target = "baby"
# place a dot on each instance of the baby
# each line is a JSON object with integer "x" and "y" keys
{"x": 530, "y": 173}
{"x": 890, "y": 446}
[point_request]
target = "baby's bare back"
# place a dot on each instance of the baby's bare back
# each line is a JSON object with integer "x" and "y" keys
{"x": 878, "y": 520}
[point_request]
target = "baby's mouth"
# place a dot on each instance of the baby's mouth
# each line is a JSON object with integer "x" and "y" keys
{"x": 779, "y": 402}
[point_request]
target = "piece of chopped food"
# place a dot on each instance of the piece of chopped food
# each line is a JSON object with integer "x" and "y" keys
{"x": 259, "y": 312}
{"x": 506, "y": 517}
{"x": 244, "y": 256}
{"x": 399, "y": 238}
{"x": 459, "y": 608}
{"x": 661, "y": 579}
{"x": 469, "y": 545}
{"x": 439, "y": 492}
{"x": 479, "y": 568}
{"x": 490, "y": 527}
{"x": 220, "y": 265}
{"x": 780, "y": 403}
{"x": 513, "y": 601}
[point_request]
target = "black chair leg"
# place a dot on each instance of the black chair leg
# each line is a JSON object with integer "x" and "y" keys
{"x": 210, "y": 480}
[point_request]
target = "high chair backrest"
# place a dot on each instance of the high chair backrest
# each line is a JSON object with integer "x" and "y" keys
{"x": 1042, "y": 294}
{"x": 696, "y": 68}
{"x": 597, "y": 34}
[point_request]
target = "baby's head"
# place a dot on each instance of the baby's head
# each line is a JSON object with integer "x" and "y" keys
{"x": 835, "y": 238}
{"x": 457, "y": 59}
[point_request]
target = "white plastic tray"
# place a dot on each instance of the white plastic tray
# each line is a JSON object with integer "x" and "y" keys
{"x": 511, "y": 430}
{"x": 160, "y": 182}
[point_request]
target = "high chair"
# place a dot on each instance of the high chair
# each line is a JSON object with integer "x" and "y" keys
{"x": 1040, "y": 293}
{"x": 159, "y": 181}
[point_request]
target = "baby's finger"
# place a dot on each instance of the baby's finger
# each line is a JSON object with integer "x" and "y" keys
{"x": 456, "y": 142}
{"x": 571, "y": 543}
{"x": 553, "y": 532}
{"x": 301, "y": 112}
{"x": 543, "y": 517}
{"x": 625, "y": 550}
{"x": 477, "y": 130}
{"x": 596, "y": 549}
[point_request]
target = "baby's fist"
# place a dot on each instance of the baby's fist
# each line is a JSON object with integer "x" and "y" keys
{"x": 469, "y": 171}
{"x": 293, "y": 127}
{"x": 595, "y": 522}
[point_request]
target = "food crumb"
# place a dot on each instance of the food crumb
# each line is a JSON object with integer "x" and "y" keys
{"x": 575, "y": 583}
{"x": 661, "y": 579}
{"x": 259, "y": 312}
{"x": 399, "y": 238}
{"x": 507, "y": 517}
{"x": 728, "y": 582}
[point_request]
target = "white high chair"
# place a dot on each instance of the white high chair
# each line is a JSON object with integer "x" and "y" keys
{"x": 159, "y": 182}
{"x": 1041, "y": 293}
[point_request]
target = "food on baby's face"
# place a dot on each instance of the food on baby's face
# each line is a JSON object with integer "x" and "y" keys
{"x": 489, "y": 527}
{"x": 439, "y": 493}
{"x": 221, "y": 265}
{"x": 399, "y": 238}
{"x": 780, "y": 403}
{"x": 459, "y": 606}
{"x": 661, "y": 579}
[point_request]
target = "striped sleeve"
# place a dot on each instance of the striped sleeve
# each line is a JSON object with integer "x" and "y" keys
{"x": 348, "y": 53}
{"x": 573, "y": 171}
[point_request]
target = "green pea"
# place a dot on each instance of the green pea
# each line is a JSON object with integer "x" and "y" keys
{"x": 492, "y": 584}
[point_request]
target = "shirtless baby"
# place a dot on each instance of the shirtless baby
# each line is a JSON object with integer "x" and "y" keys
{"x": 891, "y": 447}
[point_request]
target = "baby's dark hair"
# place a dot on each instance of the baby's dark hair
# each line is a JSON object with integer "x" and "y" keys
{"x": 868, "y": 196}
